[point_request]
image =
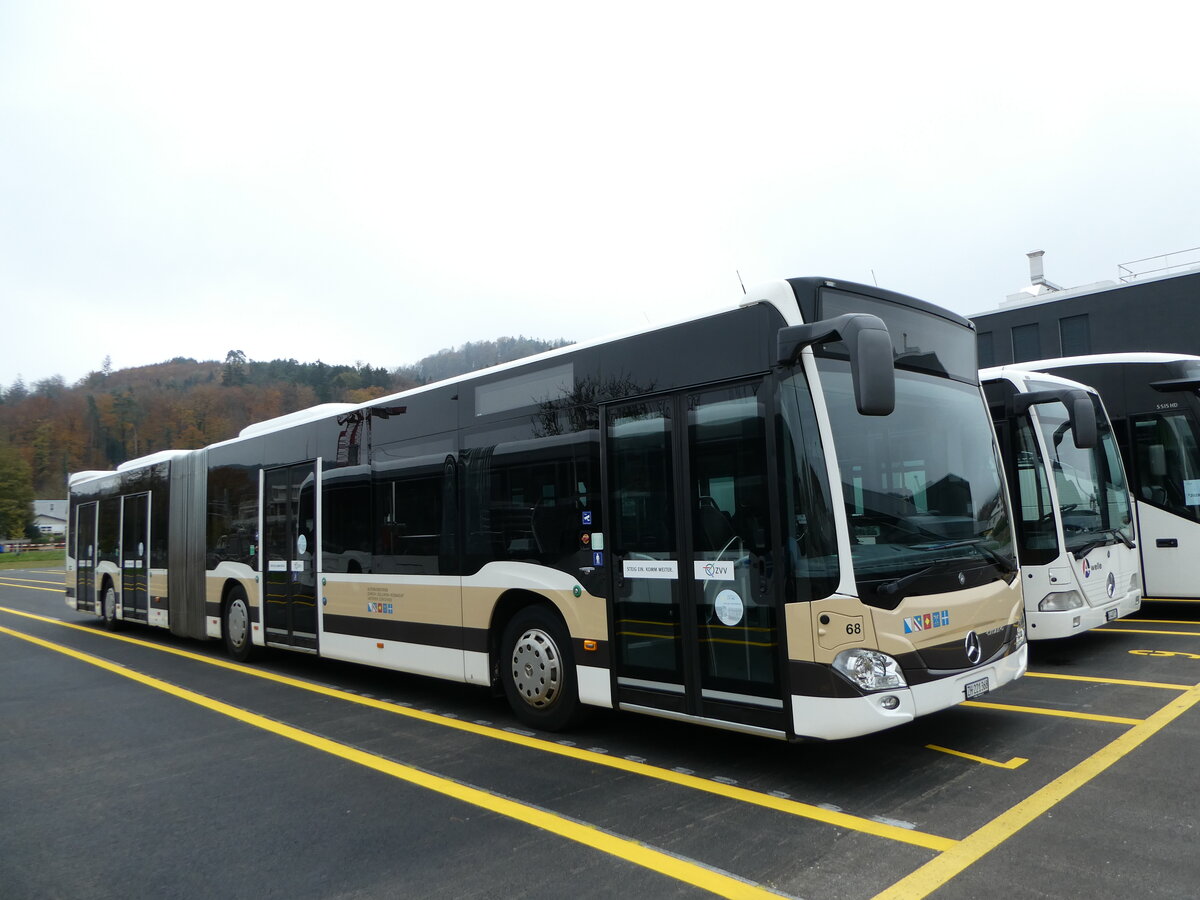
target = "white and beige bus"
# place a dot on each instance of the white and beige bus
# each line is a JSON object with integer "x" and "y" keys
{"x": 786, "y": 518}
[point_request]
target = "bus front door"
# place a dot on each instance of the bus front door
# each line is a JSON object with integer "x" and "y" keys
{"x": 696, "y": 615}
{"x": 289, "y": 562}
{"x": 135, "y": 562}
{"x": 85, "y": 557}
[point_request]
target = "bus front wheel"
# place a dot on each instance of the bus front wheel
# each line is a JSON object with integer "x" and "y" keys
{"x": 109, "y": 608}
{"x": 235, "y": 625}
{"x": 538, "y": 670}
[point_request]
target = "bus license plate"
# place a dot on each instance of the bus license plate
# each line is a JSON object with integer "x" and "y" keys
{"x": 976, "y": 688}
{"x": 1110, "y": 614}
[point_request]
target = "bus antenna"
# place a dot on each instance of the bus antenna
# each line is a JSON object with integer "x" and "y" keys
{"x": 739, "y": 275}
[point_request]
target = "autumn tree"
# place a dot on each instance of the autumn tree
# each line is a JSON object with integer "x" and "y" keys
{"x": 235, "y": 368}
{"x": 16, "y": 493}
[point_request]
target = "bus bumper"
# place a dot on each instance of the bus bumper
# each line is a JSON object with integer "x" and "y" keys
{"x": 1064, "y": 623}
{"x": 835, "y": 718}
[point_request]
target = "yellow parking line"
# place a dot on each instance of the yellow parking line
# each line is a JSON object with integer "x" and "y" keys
{"x": 4, "y": 582}
{"x": 30, "y": 580}
{"x": 589, "y": 836}
{"x": 1062, "y": 713}
{"x": 1110, "y": 630}
{"x": 1163, "y": 621}
{"x": 1145, "y": 684}
{"x": 935, "y": 873}
{"x": 732, "y": 792}
{"x": 1013, "y": 763}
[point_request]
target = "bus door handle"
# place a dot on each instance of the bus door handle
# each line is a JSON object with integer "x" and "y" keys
{"x": 1166, "y": 542}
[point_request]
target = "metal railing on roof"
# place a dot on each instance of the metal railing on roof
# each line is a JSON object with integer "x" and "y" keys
{"x": 1153, "y": 265}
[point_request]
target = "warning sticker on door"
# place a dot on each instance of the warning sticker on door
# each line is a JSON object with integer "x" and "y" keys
{"x": 650, "y": 568}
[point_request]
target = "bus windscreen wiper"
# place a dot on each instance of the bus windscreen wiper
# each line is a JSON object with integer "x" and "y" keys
{"x": 992, "y": 556}
{"x": 891, "y": 588}
{"x": 1123, "y": 537}
{"x": 1091, "y": 545}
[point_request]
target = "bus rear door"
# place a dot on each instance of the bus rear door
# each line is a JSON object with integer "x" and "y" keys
{"x": 85, "y": 557}
{"x": 135, "y": 562}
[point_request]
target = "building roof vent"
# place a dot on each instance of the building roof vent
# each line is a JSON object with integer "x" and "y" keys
{"x": 1038, "y": 283}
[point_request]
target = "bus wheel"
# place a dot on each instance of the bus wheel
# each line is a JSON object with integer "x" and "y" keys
{"x": 538, "y": 671}
{"x": 235, "y": 625}
{"x": 108, "y": 610}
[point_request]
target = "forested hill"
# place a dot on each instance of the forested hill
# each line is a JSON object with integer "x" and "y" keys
{"x": 111, "y": 416}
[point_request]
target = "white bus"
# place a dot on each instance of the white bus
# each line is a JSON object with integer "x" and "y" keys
{"x": 787, "y": 518}
{"x": 1155, "y": 408}
{"x": 1074, "y": 516}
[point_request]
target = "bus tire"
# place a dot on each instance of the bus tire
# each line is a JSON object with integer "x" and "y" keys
{"x": 108, "y": 608}
{"x": 235, "y": 625}
{"x": 538, "y": 670}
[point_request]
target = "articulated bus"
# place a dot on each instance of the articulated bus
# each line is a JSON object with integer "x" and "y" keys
{"x": 786, "y": 518}
{"x": 1074, "y": 516}
{"x": 1155, "y": 407}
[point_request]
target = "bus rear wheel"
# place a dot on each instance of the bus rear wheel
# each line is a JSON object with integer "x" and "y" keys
{"x": 235, "y": 625}
{"x": 538, "y": 670}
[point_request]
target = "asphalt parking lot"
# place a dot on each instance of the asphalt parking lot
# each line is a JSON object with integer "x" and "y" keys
{"x": 138, "y": 764}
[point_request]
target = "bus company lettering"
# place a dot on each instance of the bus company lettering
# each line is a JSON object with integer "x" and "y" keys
{"x": 926, "y": 622}
{"x": 379, "y": 600}
{"x": 714, "y": 571}
{"x": 1089, "y": 568}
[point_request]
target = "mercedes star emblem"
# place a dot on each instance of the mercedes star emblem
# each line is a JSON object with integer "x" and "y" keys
{"x": 971, "y": 645}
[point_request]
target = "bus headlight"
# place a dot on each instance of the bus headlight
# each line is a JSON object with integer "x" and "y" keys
{"x": 1060, "y": 601}
{"x": 1021, "y": 637}
{"x": 869, "y": 669}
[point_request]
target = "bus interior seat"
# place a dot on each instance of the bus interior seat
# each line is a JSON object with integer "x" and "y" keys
{"x": 714, "y": 527}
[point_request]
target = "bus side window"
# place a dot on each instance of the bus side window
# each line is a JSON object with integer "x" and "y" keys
{"x": 409, "y": 520}
{"x": 346, "y": 523}
{"x": 1163, "y": 445}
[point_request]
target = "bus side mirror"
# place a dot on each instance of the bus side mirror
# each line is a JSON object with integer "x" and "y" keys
{"x": 1083, "y": 422}
{"x": 871, "y": 360}
{"x": 1081, "y": 415}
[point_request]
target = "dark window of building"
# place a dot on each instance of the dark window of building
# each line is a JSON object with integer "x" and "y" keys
{"x": 987, "y": 352}
{"x": 1073, "y": 333}
{"x": 1026, "y": 343}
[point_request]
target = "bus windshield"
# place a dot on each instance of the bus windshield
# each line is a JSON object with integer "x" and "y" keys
{"x": 922, "y": 487}
{"x": 1092, "y": 498}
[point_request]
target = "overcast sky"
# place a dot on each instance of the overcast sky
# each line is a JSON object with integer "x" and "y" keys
{"x": 375, "y": 182}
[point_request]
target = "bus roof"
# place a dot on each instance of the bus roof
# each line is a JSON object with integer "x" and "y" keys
{"x": 1103, "y": 359}
{"x": 1018, "y": 374}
